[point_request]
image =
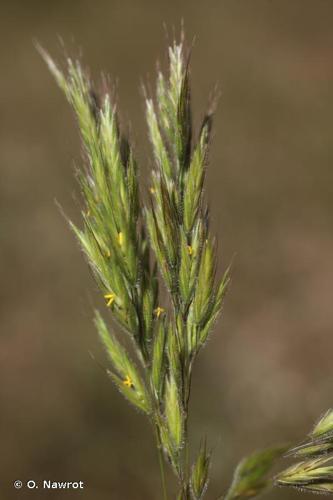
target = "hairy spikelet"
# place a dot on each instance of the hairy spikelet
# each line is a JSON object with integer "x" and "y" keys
{"x": 200, "y": 471}
{"x": 312, "y": 475}
{"x": 125, "y": 374}
{"x": 324, "y": 428}
{"x": 250, "y": 477}
{"x": 173, "y": 413}
{"x": 315, "y": 472}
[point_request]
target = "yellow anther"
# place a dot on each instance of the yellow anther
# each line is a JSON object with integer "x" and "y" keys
{"x": 190, "y": 250}
{"x": 152, "y": 190}
{"x": 128, "y": 381}
{"x": 110, "y": 298}
{"x": 158, "y": 311}
{"x": 120, "y": 238}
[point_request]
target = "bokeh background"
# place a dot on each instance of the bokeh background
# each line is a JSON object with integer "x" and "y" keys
{"x": 267, "y": 372}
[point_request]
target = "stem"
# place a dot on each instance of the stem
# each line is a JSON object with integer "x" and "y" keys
{"x": 187, "y": 394}
{"x": 163, "y": 483}
{"x": 187, "y": 458}
{"x": 161, "y": 464}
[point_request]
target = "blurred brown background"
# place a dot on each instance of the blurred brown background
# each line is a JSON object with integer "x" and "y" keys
{"x": 266, "y": 374}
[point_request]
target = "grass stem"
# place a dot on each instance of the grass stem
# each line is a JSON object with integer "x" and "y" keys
{"x": 161, "y": 464}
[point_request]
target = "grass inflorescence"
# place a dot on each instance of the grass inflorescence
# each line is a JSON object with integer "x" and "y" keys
{"x": 133, "y": 247}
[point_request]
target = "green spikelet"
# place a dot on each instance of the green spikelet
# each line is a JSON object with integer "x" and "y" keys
{"x": 250, "y": 476}
{"x": 127, "y": 377}
{"x": 311, "y": 475}
{"x": 199, "y": 474}
{"x": 173, "y": 413}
